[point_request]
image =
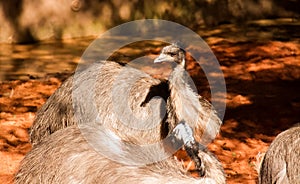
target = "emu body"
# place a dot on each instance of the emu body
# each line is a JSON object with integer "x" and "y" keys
{"x": 281, "y": 162}
{"x": 66, "y": 157}
{"x": 58, "y": 112}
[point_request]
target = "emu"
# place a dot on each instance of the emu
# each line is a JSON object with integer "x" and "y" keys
{"x": 182, "y": 102}
{"x": 61, "y": 153}
{"x": 281, "y": 162}
{"x": 66, "y": 157}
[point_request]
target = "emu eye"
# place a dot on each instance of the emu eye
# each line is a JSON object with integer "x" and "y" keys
{"x": 172, "y": 54}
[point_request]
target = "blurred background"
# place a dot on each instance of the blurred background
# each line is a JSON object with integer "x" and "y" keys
{"x": 25, "y": 21}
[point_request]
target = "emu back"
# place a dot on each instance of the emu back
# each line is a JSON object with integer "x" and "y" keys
{"x": 281, "y": 162}
{"x": 58, "y": 112}
{"x": 66, "y": 157}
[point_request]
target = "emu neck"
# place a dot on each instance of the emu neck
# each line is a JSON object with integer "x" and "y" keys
{"x": 184, "y": 101}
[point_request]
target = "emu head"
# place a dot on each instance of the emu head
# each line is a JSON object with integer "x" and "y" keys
{"x": 172, "y": 53}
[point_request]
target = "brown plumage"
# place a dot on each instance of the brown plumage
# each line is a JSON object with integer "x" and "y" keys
{"x": 58, "y": 111}
{"x": 184, "y": 103}
{"x": 281, "y": 162}
{"x": 66, "y": 157}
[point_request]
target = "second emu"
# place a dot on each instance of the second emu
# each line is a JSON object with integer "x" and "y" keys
{"x": 281, "y": 162}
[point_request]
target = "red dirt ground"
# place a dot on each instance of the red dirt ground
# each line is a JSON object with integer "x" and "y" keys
{"x": 263, "y": 99}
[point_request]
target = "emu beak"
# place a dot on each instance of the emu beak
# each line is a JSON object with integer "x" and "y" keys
{"x": 166, "y": 58}
{"x": 163, "y": 58}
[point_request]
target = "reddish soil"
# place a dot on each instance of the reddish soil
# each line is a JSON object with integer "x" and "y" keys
{"x": 263, "y": 99}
